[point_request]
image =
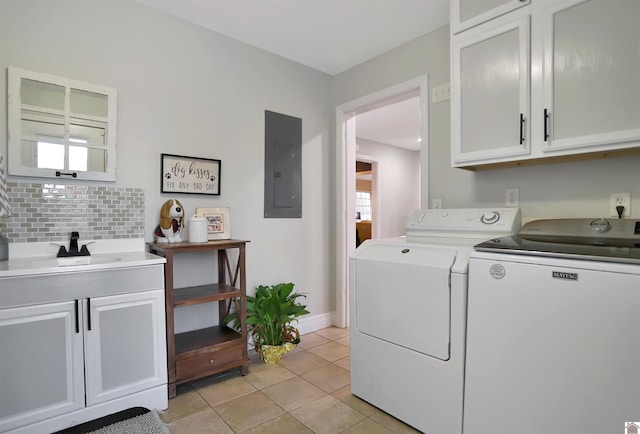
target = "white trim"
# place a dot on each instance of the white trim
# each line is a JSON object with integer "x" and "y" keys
{"x": 310, "y": 324}
{"x": 345, "y": 224}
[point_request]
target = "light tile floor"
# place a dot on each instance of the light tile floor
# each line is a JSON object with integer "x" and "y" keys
{"x": 308, "y": 391}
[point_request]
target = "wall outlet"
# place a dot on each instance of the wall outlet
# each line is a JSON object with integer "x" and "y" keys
{"x": 620, "y": 199}
{"x": 512, "y": 198}
{"x": 436, "y": 203}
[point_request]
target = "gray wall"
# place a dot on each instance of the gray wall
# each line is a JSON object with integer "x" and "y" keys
{"x": 398, "y": 187}
{"x": 188, "y": 91}
{"x": 578, "y": 189}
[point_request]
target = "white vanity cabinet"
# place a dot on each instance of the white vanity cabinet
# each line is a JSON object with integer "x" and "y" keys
{"x": 549, "y": 81}
{"x": 93, "y": 346}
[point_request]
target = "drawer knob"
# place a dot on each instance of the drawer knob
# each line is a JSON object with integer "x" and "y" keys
{"x": 212, "y": 361}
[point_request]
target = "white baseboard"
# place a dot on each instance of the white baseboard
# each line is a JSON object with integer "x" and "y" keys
{"x": 310, "y": 324}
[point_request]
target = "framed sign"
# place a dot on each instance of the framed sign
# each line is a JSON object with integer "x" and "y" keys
{"x": 193, "y": 175}
{"x": 218, "y": 222}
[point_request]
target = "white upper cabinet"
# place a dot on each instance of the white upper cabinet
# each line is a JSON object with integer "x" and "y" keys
{"x": 60, "y": 128}
{"x": 566, "y": 70}
{"x": 591, "y": 74}
{"x": 468, "y": 13}
{"x": 490, "y": 71}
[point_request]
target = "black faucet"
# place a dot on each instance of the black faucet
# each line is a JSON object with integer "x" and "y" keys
{"x": 73, "y": 243}
{"x": 73, "y": 248}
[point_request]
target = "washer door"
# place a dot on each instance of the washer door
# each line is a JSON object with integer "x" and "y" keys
{"x": 403, "y": 295}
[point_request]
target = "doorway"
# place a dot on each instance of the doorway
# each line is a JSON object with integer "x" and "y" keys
{"x": 346, "y": 149}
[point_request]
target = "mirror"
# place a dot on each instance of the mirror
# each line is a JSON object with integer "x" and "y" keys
{"x": 60, "y": 127}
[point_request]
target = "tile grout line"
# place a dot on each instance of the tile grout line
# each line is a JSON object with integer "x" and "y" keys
{"x": 294, "y": 375}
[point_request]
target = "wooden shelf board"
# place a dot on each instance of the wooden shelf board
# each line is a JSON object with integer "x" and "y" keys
{"x": 204, "y": 294}
{"x": 195, "y": 247}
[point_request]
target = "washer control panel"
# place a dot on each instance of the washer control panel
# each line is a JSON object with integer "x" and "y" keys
{"x": 467, "y": 222}
{"x": 587, "y": 228}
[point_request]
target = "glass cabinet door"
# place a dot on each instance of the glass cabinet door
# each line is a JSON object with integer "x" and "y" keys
{"x": 591, "y": 74}
{"x": 490, "y": 106}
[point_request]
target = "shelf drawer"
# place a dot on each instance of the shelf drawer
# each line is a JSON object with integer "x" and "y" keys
{"x": 209, "y": 361}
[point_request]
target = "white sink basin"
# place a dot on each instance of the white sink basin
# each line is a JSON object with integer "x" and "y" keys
{"x": 86, "y": 260}
{"x": 41, "y": 262}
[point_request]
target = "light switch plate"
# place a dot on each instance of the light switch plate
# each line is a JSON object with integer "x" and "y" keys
{"x": 441, "y": 93}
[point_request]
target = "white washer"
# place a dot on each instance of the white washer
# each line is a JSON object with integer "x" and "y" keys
{"x": 408, "y": 314}
{"x": 553, "y": 340}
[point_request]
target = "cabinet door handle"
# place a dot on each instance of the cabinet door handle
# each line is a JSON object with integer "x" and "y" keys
{"x": 77, "y": 309}
{"x": 521, "y": 128}
{"x": 89, "y": 313}
{"x": 546, "y": 125}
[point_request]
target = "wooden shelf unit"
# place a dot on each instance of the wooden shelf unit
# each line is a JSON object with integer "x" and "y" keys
{"x": 200, "y": 353}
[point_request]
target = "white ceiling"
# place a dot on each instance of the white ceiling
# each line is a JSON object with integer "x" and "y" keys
{"x": 396, "y": 124}
{"x": 328, "y": 35}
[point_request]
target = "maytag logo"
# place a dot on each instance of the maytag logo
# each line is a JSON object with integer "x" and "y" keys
{"x": 562, "y": 275}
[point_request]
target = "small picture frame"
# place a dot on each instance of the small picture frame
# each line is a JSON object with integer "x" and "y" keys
{"x": 218, "y": 222}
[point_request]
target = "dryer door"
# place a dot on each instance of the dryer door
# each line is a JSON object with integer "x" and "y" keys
{"x": 403, "y": 295}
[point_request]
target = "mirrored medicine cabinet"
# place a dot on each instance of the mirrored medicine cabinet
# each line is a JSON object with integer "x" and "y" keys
{"x": 60, "y": 128}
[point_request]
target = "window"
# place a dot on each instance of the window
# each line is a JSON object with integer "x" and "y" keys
{"x": 60, "y": 127}
{"x": 363, "y": 205}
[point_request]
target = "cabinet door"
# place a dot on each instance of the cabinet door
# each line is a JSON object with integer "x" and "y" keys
{"x": 469, "y": 13}
{"x": 490, "y": 106}
{"x": 41, "y": 364}
{"x": 125, "y": 345}
{"x": 591, "y": 74}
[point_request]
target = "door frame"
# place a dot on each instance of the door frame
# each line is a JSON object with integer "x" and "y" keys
{"x": 345, "y": 175}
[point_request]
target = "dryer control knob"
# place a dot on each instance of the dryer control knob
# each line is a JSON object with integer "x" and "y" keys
{"x": 600, "y": 225}
{"x": 490, "y": 217}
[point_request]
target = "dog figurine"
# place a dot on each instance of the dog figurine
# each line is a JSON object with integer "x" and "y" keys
{"x": 171, "y": 223}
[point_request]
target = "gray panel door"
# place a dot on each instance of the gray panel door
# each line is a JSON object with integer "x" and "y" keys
{"x": 283, "y": 166}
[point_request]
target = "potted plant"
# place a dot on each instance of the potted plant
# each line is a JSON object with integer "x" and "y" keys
{"x": 270, "y": 313}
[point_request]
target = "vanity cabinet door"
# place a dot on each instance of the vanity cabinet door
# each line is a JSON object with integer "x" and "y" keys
{"x": 41, "y": 363}
{"x": 490, "y": 92}
{"x": 468, "y": 13}
{"x": 125, "y": 345}
{"x": 591, "y": 70}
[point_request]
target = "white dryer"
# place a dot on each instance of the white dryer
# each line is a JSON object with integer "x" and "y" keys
{"x": 408, "y": 314}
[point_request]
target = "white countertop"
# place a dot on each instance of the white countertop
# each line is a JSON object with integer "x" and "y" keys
{"x": 40, "y": 258}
